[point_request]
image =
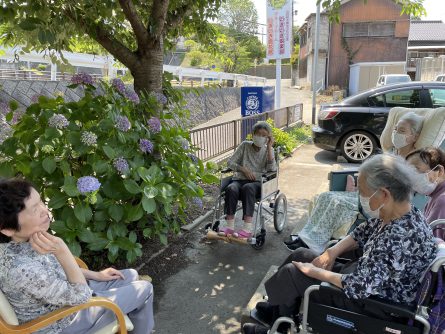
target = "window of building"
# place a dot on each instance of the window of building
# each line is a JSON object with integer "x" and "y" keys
{"x": 369, "y": 29}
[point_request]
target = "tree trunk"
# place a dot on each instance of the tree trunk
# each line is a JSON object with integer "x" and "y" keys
{"x": 147, "y": 72}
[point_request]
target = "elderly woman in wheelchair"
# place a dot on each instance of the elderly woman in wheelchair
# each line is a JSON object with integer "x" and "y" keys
{"x": 397, "y": 245}
{"x": 39, "y": 275}
{"x": 249, "y": 162}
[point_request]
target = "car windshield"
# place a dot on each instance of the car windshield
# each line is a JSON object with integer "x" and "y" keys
{"x": 395, "y": 79}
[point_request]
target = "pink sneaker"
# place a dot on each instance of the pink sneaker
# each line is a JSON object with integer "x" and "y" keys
{"x": 225, "y": 231}
{"x": 242, "y": 234}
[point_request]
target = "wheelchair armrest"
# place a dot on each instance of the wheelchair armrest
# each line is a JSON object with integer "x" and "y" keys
{"x": 226, "y": 170}
{"x": 269, "y": 175}
{"x": 331, "y": 290}
{"x": 337, "y": 179}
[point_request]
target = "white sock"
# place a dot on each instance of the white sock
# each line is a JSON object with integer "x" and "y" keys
{"x": 230, "y": 223}
{"x": 247, "y": 227}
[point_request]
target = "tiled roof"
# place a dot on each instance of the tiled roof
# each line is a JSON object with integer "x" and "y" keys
{"x": 426, "y": 31}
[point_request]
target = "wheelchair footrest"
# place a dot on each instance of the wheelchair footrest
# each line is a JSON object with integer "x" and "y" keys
{"x": 327, "y": 319}
{"x": 212, "y": 235}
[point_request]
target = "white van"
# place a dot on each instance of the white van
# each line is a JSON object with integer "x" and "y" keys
{"x": 388, "y": 79}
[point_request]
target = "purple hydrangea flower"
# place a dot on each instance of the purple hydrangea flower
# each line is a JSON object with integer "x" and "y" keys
{"x": 197, "y": 202}
{"x": 161, "y": 98}
{"x": 4, "y": 108}
{"x": 184, "y": 143}
{"x": 58, "y": 121}
{"x": 121, "y": 165}
{"x": 123, "y": 124}
{"x": 146, "y": 146}
{"x": 154, "y": 124}
{"x": 132, "y": 95}
{"x": 87, "y": 184}
{"x": 35, "y": 98}
{"x": 119, "y": 85}
{"x": 193, "y": 157}
{"x": 5, "y": 131}
{"x": 88, "y": 138}
{"x": 82, "y": 79}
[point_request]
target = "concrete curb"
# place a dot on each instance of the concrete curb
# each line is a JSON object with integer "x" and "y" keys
{"x": 197, "y": 221}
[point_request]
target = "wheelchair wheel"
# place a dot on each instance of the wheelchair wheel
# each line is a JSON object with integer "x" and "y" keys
{"x": 260, "y": 240}
{"x": 280, "y": 213}
{"x": 215, "y": 226}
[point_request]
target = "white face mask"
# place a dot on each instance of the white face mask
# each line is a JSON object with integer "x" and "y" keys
{"x": 364, "y": 201}
{"x": 259, "y": 141}
{"x": 399, "y": 140}
{"x": 423, "y": 185}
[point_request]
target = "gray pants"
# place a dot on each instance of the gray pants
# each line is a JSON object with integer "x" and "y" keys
{"x": 134, "y": 297}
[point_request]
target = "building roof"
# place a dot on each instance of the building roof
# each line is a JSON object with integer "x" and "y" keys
{"x": 426, "y": 31}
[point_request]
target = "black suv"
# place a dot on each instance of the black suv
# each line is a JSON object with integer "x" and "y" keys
{"x": 353, "y": 126}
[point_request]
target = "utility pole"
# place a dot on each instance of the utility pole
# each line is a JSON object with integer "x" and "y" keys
{"x": 315, "y": 62}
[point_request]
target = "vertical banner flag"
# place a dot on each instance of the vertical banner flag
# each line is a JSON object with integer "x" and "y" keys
{"x": 279, "y": 26}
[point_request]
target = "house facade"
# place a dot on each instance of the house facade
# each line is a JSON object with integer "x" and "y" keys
{"x": 368, "y": 33}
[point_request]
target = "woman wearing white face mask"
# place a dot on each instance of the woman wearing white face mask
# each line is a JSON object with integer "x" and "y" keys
{"x": 249, "y": 162}
{"x": 397, "y": 247}
{"x": 406, "y": 133}
{"x": 430, "y": 163}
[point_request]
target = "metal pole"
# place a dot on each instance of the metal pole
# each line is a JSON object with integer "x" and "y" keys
{"x": 315, "y": 62}
{"x": 278, "y": 84}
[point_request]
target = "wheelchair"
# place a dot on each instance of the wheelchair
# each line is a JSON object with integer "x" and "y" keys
{"x": 271, "y": 202}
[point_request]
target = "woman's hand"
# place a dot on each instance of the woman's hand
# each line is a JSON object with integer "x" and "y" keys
{"x": 306, "y": 268}
{"x": 324, "y": 261}
{"x": 108, "y": 274}
{"x": 45, "y": 243}
{"x": 248, "y": 173}
{"x": 270, "y": 141}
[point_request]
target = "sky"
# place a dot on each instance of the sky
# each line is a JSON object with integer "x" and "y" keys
{"x": 435, "y": 10}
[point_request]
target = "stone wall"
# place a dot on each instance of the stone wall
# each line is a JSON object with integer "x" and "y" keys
{"x": 203, "y": 103}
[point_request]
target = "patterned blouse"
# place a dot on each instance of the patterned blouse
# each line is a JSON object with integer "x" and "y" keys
{"x": 394, "y": 257}
{"x": 246, "y": 156}
{"x": 36, "y": 284}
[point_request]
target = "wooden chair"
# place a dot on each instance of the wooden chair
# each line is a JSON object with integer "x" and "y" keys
{"x": 10, "y": 325}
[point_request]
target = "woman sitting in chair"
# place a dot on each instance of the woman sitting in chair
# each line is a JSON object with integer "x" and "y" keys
{"x": 38, "y": 273}
{"x": 335, "y": 210}
{"x": 397, "y": 248}
{"x": 430, "y": 163}
{"x": 249, "y": 162}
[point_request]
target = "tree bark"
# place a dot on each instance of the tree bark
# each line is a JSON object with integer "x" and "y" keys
{"x": 147, "y": 72}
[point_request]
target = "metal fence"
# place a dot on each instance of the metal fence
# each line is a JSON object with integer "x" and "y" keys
{"x": 428, "y": 68}
{"x": 215, "y": 142}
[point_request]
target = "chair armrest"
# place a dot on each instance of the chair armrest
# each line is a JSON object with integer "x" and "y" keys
{"x": 331, "y": 289}
{"x": 436, "y": 223}
{"x": 269, "y": 175}
{"x": 80, "y": 263}
{"x": 43, "y": 321}
{"x": 337, "y": 179}
{"x": 226, "y": 170}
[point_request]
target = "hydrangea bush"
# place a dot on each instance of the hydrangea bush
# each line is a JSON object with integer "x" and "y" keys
{"x": 114, "y": 167}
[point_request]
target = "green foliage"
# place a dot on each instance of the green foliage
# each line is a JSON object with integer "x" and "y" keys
{"x": 147, "y": 200}
{"x": 239, "y": 15}
{"x": 282, "y": 139}
{"x": 301, "y": 134}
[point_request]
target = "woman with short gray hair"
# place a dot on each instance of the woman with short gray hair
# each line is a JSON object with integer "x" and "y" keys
{"x": 249, "y": 162}
{"x": 406, "y": 133}
{"x": 397, "y": 245}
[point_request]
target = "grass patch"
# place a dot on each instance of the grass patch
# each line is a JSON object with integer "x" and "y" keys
{"x": 302, "y": 134}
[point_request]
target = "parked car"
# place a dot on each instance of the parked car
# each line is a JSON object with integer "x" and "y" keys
{"x": 440, "y": 77}
{"x": 388, "y": 79}
{"x": 353, "y": 126}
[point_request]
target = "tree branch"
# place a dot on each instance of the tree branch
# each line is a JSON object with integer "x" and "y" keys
{"x": 174, "y": 20}
{"x": 97, "y": 32}
{"x": 136, "y": 23}
{"x": 159, "y": 14}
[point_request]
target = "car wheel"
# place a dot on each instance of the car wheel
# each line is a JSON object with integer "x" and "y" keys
{"x": 356, "y": 146}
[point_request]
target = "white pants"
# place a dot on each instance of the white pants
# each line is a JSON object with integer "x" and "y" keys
{"x": 134, "y": 297}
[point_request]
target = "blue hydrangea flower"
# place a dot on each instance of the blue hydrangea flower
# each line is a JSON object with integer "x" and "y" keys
{"x": 87, "y": 184}
{"x": 4, "y": 108}
{"x": 161, "y": 98}
{"x": 82, "y": 79}
{"x": 123, "y": 124}
{"x": 132, "y": 95}
{"x": 184, "y": 143}
{"x": 197, "y": 202}
{"x": 146, "y": 146}
{"x": 5, "y": 131}
{"x": 58, "y": 121}
{"x": 88, "y": 138}
{"x": 154, "y": 124}
{"x": 193, "y": 157}
{"x": 121, "y": 165}
{"x": 119, "y": 85}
